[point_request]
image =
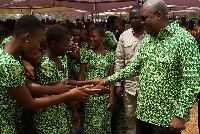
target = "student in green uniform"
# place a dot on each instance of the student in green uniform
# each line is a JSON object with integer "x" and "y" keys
{"x": 28, "y": 37}
{"x": 97, "y": 62}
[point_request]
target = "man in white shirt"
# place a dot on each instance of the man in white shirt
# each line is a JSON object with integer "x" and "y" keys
{"x": 126, "y": 52}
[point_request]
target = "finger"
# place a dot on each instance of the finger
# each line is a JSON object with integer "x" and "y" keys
{"x": 71, "y": 86}
{"x": 78, "y": 123}
{"x": 65, "y": 80}
{"x": 121, "y": 93}
{"x": 32, "y": 74}
{"x": 86, "y": 86}
{"x": 106, "y": 88}
{"x": 89, "y": 86}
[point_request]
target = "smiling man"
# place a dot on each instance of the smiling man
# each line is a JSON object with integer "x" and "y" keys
{"x": 168, "y": 68}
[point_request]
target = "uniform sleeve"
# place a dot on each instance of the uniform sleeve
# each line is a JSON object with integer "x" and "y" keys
{"x": 189, "y": 62}
{"x": 85, "y": 55}
{"x": 12, "y": 75}
{"x": 46, "y": 73}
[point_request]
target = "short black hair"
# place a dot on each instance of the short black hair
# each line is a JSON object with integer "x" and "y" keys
{"x": 28, "y": 23}
{"x": 110, "y": 20}
{"x": 100, "y": 30}
{"x": 72, "y": 27}
{"x": 88, "y": 23}
{"x": 56, "y": 33}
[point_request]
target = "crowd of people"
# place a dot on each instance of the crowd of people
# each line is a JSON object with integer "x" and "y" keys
{"x": 139, "y": 76}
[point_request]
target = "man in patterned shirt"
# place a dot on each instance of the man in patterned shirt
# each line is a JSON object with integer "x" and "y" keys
{"x": 168, "y": 66}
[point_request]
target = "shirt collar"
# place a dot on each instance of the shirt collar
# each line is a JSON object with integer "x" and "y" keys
{"x": 170, "y": 29}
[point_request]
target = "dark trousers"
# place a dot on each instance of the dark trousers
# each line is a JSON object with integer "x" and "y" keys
{"x": 147, "y": 128}
{"x": 199, "y": 115}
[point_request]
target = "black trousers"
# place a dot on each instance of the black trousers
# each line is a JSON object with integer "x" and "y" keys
{"x": 147, "y": 128}
{"x": 199, "y": 115}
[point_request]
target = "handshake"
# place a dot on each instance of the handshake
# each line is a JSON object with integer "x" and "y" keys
{"x": 96, "y": 88}
{"x": 83, "y": 93}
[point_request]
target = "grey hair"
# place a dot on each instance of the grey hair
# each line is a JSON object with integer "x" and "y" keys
{"x": 157, "y": 5}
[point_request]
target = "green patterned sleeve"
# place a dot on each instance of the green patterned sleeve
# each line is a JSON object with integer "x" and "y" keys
{"x": 12, "y": 75}
{"x": 46, "y": 73}
{"x": 128, "y": 72}
{"x": 84, "y": 55}
{"x": 189, "y": 61}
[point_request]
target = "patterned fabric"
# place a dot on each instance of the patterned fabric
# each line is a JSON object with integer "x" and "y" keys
{"x": 6, "y": 40}
{"x": 11, "y": 75}
{"x": 97, "y": 119}
{"x": 169, "y": 75}
{"x": 74, "y": 64}
{"x": 84, "y": 45}
{"x": 109, "y": 41}
{"x": 52, "y": 120}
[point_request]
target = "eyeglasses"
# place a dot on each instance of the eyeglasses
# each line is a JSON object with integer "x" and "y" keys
{"x": 143, "y": 18}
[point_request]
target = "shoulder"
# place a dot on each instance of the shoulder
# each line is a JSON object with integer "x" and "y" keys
{"x": 11, "y": 71}
{"x": 183, "y": 36}
{"x": 7, "y": 60}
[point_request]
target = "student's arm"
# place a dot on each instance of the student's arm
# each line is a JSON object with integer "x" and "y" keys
{"x": 29, "y": 68}
{"x": 75, "y": 56}
{"x": 111, "y": 99}
{"x": 37, "y": 90}
{"x": 23, "y": 97}
{"x": 82, "y": 72}
{"x": 75, "y": 116}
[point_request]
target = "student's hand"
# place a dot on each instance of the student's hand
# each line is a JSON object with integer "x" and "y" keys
{"x": 118, "y": 91}
{"x": 177, "y": 124}
{"x": 96, "y": 81}
{"x": 60, "y": 88}
{"x": 73, "y": 47}
{"x": 69, "y": 87}
{"x": 29, "y": 68}
{"x": 91, "y": 91}
{"x": 75, "y": 120}
{"x": 103, "y": 91}
{"x": 110, "y": 103}
{"x": 104, "y": 82}
{"x": 78, "y": 94}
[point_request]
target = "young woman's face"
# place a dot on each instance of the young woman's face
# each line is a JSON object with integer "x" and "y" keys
{"x": 116, "y": 25}
{"x": 95, "y": 39}
{"x": 75, "y": 33}
{"x": 62, "y": 45}
{"x": 35, "y": 48}
{"x": 83, "y": 35}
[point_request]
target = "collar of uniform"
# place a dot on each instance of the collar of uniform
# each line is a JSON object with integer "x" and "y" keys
{"x": 167, "y": 31}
